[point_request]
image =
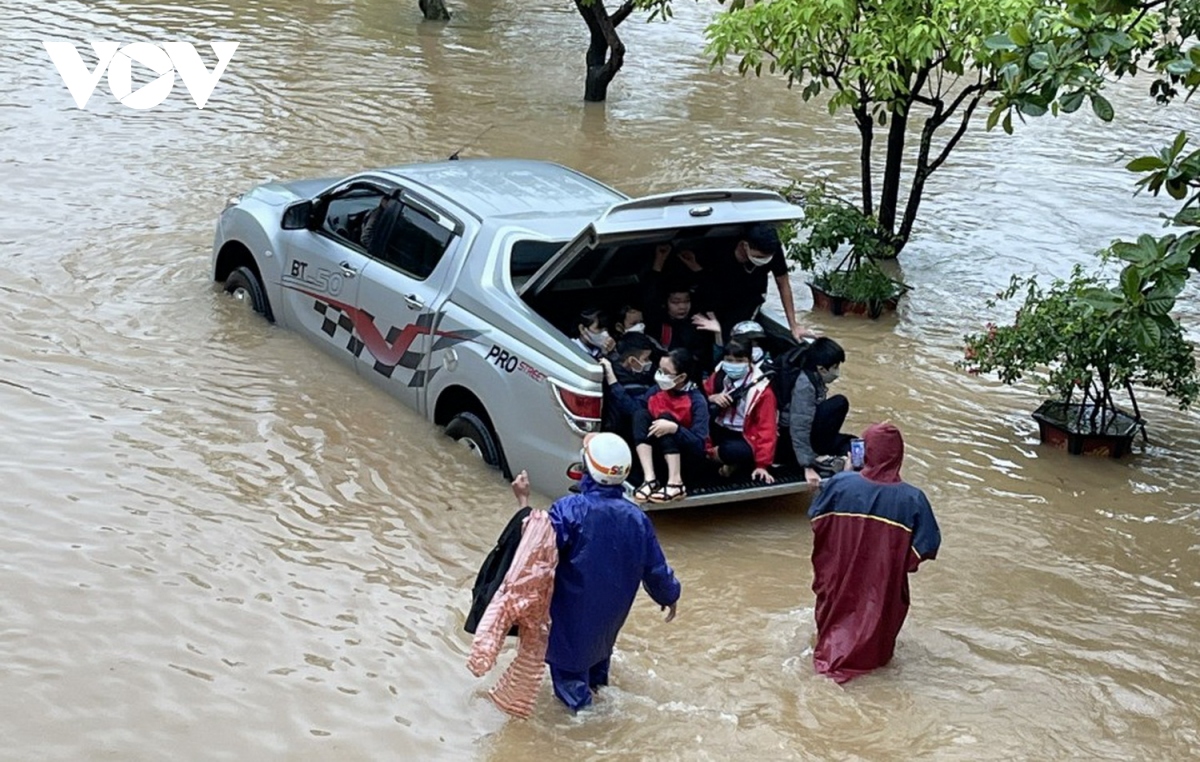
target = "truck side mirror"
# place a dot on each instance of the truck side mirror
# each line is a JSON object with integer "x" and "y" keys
{"x": 297, "y": 216}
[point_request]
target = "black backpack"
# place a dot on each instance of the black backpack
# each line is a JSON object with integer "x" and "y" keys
{"x": 491, "y": 574}
{"x": 784, "y": 370}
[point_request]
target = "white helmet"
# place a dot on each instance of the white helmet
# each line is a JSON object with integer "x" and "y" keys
{"x": 747, "y": 330}
{"x": 607, "y": 458}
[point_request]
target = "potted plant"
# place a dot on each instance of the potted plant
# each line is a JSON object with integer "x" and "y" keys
{"x": 1084, "y": 341}
{"x": 856, "y": 285}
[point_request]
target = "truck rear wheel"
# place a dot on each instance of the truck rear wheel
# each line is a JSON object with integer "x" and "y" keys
{"x": 470, "y": 431}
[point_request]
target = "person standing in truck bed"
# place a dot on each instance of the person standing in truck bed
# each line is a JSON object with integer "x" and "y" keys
{"x": 733, "y": 284}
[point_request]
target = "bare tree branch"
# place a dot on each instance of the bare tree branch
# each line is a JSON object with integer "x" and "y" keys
{"x": 958, "y": 133}
{"x": 622, "y": 13}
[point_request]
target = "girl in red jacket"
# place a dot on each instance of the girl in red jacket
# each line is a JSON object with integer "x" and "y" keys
{"x": 744, "y": 431}
{"x": 669, "y": 421}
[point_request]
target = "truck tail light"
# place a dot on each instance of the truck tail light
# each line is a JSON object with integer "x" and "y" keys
{"x": 582, "y": 405}
{"x": 582, "y": 410}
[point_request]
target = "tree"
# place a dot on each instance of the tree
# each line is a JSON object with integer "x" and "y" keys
{"x": 1118, "y": 332}
{"x": 1068, "y": 339}
{"x": 606, "y": 52}
{"x": 1064, "y": 54}
{"x": 434, "y": 10}
{"x": 1068, "y": 51}
{"x": 890, "y": 63}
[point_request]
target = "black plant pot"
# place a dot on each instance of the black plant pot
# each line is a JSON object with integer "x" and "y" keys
{"x": 1057, "y": 428}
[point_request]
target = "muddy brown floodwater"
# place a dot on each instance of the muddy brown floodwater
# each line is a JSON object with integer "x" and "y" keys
{"x": 214, "y": 544}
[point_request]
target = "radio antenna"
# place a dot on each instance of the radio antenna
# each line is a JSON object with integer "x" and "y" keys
{"x": 471, "y": 142}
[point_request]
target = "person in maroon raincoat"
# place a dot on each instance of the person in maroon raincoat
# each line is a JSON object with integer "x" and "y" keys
{"x": 870, "y": 531}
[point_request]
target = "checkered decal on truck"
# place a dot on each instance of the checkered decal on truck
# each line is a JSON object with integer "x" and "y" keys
{"x": 336, "y": 320}
{"x": 390, "y": 351}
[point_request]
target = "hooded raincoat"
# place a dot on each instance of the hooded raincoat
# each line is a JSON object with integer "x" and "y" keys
{"x": 870, "y": 530}
{"x": 606, "y": 549}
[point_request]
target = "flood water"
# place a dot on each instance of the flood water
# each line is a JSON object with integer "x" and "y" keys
{"x": 214, "y": 544}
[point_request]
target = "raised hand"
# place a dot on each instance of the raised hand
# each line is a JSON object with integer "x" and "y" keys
{"x": 707, "y": 322}
{"x": 661, "y": 252}
{"x": 520, "y": 488}
{"x": 609, "y": 373}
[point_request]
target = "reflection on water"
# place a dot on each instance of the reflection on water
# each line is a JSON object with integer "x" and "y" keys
{"x": 214, "y": 539}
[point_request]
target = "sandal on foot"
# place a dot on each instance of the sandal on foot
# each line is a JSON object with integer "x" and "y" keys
{"x": 644, "y": 493}
{"x": 669, "y": 493}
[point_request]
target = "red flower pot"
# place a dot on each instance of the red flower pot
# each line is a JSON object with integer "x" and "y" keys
{"x": 822, "y": 300}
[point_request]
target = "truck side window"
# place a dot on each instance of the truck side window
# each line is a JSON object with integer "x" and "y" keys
{"x": 346, "y": 213}
{"x": 415, "y": 243}
{"x": 529, "y": 256}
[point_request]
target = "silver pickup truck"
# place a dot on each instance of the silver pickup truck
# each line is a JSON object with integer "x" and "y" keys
{"x": 446, "y": 283}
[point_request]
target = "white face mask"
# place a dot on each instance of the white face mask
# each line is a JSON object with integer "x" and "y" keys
{"x": 664, "y": 380}
{"x": 636, "y": 328}
{"x": 831, "y": 375}
{"x": 598, "y": 339}
{"x": 756, "y": 354}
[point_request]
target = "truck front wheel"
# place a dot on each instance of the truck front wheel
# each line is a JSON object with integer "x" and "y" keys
{"x": 470, "y": 431}
{"x": 244, "y": 286}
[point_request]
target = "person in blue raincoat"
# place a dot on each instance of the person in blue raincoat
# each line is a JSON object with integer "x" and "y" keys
{"x": 606, "y": 548}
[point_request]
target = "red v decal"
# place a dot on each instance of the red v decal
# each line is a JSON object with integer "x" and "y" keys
{"x": 372, "y": 339}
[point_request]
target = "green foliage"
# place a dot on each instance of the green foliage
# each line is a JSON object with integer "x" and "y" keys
{"x": 1177, "y": 171}
{"x": 1067, "y": 50}
{"x": 1099, "y": 335}
{"x": 851, "y": 50}
{"x": 834, "y": 223}
{"x": 865, "y": 284}
{"x": 834, "y": 226}
{"x": 1087, "y": 334}
{"x": 887, "y": 62}
{"x": 659, "y": 9}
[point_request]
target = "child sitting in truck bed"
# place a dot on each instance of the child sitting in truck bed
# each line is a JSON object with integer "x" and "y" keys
{"x": 636, "y": 358}
{"x": 744, "y": 429}
{"x": 592, "y": 334}
{"x": 670, "y": 422}
{"x": 630, "y": 319}
{"x": 668, "y": 313}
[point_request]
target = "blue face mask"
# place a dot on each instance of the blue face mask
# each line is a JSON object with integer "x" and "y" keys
{"x": 734, "y": 370}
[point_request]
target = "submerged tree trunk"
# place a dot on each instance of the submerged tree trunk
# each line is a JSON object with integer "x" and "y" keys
{"x": 433, "y": 10}
{"x": 920, "y": 175}
{"x": 889, "y": 196}
{"x": 606, "y": 52}
{"x": 866, "y": 130}
{"x": 967, "y": 100}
